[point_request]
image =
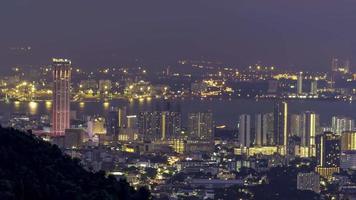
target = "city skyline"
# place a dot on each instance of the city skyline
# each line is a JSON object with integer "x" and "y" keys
{"x": 177, "y": 100}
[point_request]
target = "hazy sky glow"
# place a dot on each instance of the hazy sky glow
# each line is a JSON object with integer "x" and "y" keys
{"x": 300, "y": 33}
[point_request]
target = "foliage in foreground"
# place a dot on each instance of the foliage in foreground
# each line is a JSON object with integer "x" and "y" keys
{"x": 34, "y": 169}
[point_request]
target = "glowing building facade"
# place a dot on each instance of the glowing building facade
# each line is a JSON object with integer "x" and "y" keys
{"x": 245, "y": 130}
{"x": 200, "y": 126}
{"x": 300, "y": 83}
{"x": 348, "y": 150}
{"x": 328, "y": 154}
{"x": 61, "y": 96}
{"x": 308, "y": 134}
{"x": 280, "y": 138}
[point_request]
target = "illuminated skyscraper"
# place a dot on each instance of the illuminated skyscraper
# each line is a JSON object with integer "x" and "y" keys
{"x": 149, "y": 125}
{"x": 122, "y": 112}
{"x": 300, "y": 83}
{"x": 314, "y": 87}
{"x": 200, "y": 126}
{"x": 61, "y": 96}
{"x": 327, "y": 154}
{"x": 348, "y": 150}
{"x": 308, "y": 134}
{"x": 340, "y": 124}
{"x": 328, "y": 150}
{"x": 112, "y": 123}
{"x": 159, "y": 125}
{"x": 170, "y": 125}
{"x": 263, "y": 129}
{"x": 245, "y": 130}
{"x": 280, "y": 137}
{"x": 295, "y": 125}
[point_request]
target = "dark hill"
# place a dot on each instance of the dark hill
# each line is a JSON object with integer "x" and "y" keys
{"x": 34, "y": 169}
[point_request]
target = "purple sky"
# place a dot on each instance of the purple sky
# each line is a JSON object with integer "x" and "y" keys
{"x": 303, "y": 33}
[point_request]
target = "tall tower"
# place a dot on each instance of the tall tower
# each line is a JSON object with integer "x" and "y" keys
{"x": 245, "y": 130}
{"x": 314, "y": 87}
{"x": 295, "y": 125}
{"x": 263, "y": 129}
{"x": 200, "y": 126}
{"x": 300, "y": 83}
{"x": 149, "y": 125}
{"x": 112, "y": 123}
{"x": 122, "y": 112}
{"x": 280, "y": 138}
{"x": 308, "y": 134}
{"x": 61, "y": 96}
{"x": 171, "y": 124}
{"x": 328, "y": 149}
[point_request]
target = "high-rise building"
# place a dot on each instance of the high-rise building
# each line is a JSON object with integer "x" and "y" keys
{"x": 245, "y": 130}
{"x": 122, "y": 112}
{"x": 308, "y": 134}
{"x": 61, "y": 96}
{"x": 340, "y": 124}
{"x": 280, "y": 137}
{"x": 314, "y": 87}
{"x": 348, "y": 150}
{"x": 171, "y": 125}
{"x": 295, "y": 125}
{"x": 200, "y": 126}
{"x": 300, "y": 83}
{"x": 348, "y": 141}
{"x": 328, "y": 149}
{"x": 263, "y": 129}
{"x": 112, "y": 123}
{"x": 159, "y": 125}
{"x": 149, "y": 125}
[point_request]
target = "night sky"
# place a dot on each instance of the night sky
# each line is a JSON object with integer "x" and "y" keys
{"x": 294, "y": 33}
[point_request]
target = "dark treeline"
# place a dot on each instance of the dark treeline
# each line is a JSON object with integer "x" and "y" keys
{"x": 34, "y": 169}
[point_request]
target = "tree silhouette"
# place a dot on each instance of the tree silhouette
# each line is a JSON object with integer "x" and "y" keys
{"x": 31, "y": 168}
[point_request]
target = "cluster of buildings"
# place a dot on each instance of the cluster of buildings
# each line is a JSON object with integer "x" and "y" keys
{"x": 154, "y": 148}
{"x": 212, "y": 80}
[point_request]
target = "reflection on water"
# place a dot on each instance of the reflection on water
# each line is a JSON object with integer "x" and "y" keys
{"x": 48, "y": 106}
{"x": 82, "y": 106}
{"x": 33, "y": 107}
{"x": 106, "y": 106}
{"x": 17, "y": 105}
{"x": 225, "y": 112}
